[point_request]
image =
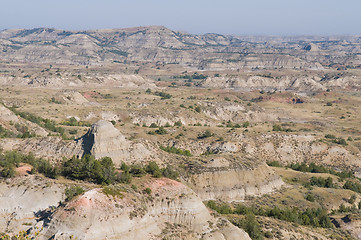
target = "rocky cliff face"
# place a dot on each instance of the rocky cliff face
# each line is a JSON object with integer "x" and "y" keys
{"x": 172, "y": 210}
{"x": 48, "y": 147}
{"x": 24, "y": 199}
{"x": 234, "y": 184}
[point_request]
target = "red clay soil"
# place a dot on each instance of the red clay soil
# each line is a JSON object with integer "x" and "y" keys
{"x": 91, "y": 94}
{"x": 23, "y": 170}
{"x": 163, "y": 182}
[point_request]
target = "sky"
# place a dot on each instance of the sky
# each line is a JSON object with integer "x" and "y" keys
{"x": 242, "y": 17}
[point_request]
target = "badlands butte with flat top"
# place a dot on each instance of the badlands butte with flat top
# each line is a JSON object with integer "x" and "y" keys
{"x": 150, "y": 133}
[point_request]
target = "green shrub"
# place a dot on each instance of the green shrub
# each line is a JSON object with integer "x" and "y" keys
{"x": 274, "y": 164}
{"x": 163, "y": 95}
{"x": 87, "y": 168}
{"x": 352, "y": 199}
{"x": 198, "y": 109}
{"x": 8, "y": 171}
{"x": 178, "y": 124}
{"x": 148, "y": 191}
{"x": 73, "y": 122}
{"x": 322, "y": 182}
{"x": 310, "y": 198}
{"x": 277, "y": 128}
{"x": 176, "y": 151}
{"x": 330, "y": 136}
{"x": 316, "y": 217}
{"x": 125, "y": 167}
{"x": 73, "y": 191}
{"x": 153, "y": 168}
{"x": 356, "y": 187}
{"x": 153, "y": 125}
{"x": 161, "y": 131}
{"x": 169, "y": 172}
{"x": 43, "y": 122}
{"x": 4, "y": 133}
{"x": 73, "y": 131}
{"x": 205, "y": 134}
{"x": 340, "y": 141}
{"x": 112, "y": 191}
{"x": 251, "y": 226}
{"x": 124, "y": 177}
{"x": 137, "y": 171}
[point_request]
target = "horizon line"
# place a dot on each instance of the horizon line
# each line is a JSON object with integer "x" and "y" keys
{"x": 184, "y": 31}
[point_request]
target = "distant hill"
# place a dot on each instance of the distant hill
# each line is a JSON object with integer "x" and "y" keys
{"x": 159, "y": 45}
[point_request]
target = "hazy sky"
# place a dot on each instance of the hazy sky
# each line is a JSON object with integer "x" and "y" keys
{"x": 242, "y": 17}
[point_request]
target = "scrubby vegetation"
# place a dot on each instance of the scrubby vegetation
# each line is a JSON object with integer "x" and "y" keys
{"x": 336, "y": 140}
{"x": 312, "y": 168}
{"x": 354, "y": 186}
{"x": 73, "y": 191}
{"x": 194, "y": 76}
{"x": 43, "y": 122}
{"x": 278, "y": 128}
{"x": 151, "y": 168}
{"x": 163, "y": 95}
{"x": 87, "y": 168}
{"x": 251, "y": 226}
{"x": 12, "y": 159}
{"x": 4, "y": 133}
{"x": 316, "y": 217}
{"x": 205, "y": 134}
{"x": 112, "y": 191}
{"x": 24, "y": 132}
{"x": 176, "y": 150}
{"x": 159, "y": 131}
{"x": 73, "y": 122}
{"x": 322, "y": 182}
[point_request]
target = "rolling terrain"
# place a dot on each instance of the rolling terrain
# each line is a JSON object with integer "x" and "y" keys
{"x": 150, "y": 133}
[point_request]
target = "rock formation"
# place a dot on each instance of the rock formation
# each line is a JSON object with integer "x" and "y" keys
{"x": 104, "y": 140}
{"x": 265, "y": 83}
{"x": 157, "y": 44}
{"x": 171, "y": 210}
{"x": 23, "y": 199}
{"x": 232, "y": 184}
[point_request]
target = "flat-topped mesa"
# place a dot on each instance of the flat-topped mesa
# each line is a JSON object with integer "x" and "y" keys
{"x": 104, "y": 140}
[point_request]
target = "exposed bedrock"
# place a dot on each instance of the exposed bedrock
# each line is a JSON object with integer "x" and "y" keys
{"x": 172, "y": 210}
{"x": 235, "y": 184}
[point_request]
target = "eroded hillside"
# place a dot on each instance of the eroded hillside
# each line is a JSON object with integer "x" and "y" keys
{"x": 149, "y": 133}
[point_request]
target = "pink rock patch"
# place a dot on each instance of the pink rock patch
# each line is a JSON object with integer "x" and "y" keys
{"x": 164, "y": 182}
{"x": 24, "y": 169}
